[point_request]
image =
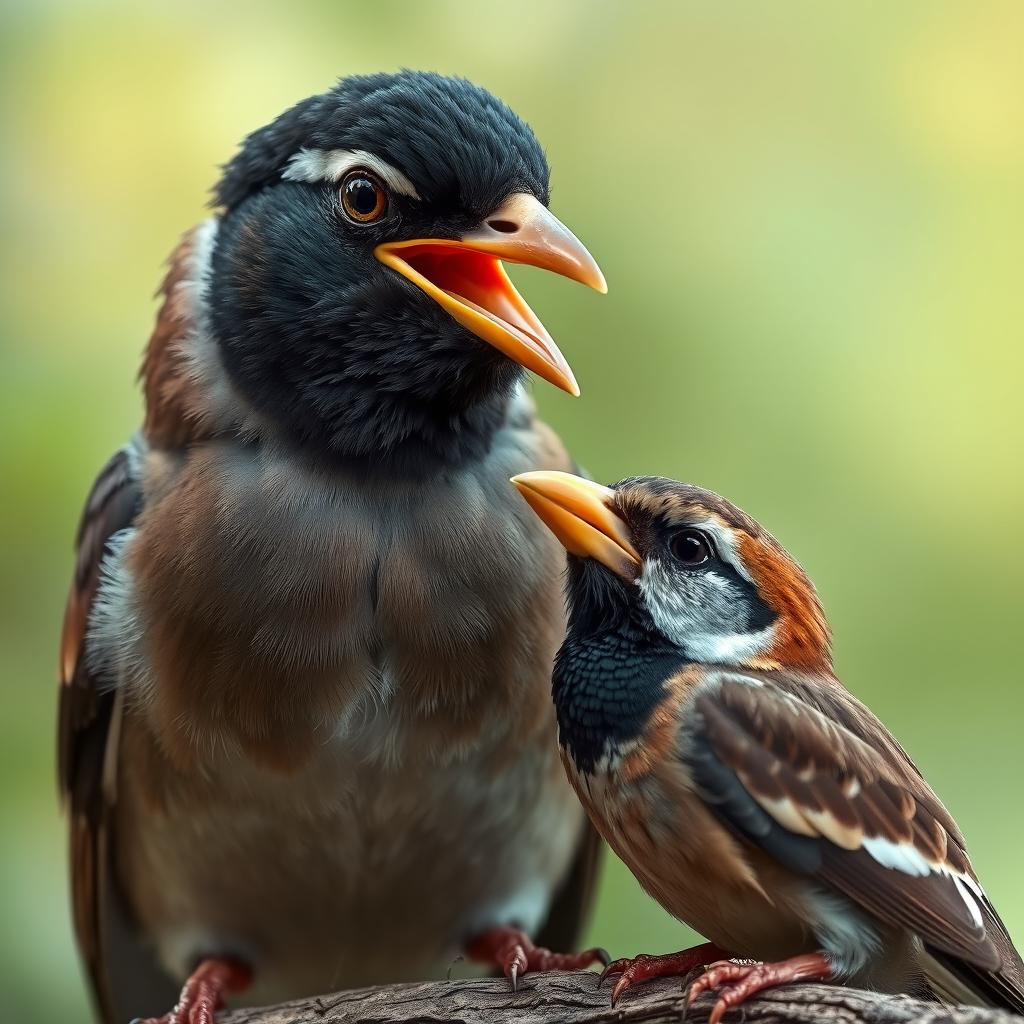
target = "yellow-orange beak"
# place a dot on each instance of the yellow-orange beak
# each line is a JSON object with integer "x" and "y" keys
{"x": 466, "y": 277}
{"x": 580, "y": 514}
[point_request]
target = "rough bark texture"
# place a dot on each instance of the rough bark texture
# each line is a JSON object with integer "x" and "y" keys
{"x": 574, "y": 999}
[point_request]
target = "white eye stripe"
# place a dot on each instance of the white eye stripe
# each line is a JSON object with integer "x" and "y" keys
{"x": 725, "y": 545}
{"x": 333, "y": 164}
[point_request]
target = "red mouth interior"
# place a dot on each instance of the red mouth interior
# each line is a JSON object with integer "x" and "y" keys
{"x": 478, "y": 280}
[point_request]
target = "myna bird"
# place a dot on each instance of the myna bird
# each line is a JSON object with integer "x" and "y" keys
{"x": 751, "y": 794}
{"x": 305, "y": 732}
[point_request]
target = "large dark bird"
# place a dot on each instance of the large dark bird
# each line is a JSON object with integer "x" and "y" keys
{"x": 751, "y": 794}
{"x": 304, "y": 729}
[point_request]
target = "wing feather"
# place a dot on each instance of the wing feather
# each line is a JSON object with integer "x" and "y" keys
{"x": 801, "y": 769}
{"x": 86, "y": 711}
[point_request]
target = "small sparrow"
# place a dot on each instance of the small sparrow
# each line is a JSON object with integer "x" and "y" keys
{"x": 751, "y": 794}
{"x": 304, "y": 730}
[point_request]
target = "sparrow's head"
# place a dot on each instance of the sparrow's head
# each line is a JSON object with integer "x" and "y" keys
{"x": 356, "y": 288}
{"x": 683, "y": 563}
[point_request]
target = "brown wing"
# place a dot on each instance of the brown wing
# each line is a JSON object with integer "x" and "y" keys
{"x": 803, "y": 770}
{"x": 87, "y": 713}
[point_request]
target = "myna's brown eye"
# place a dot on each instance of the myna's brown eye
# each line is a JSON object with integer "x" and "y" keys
{"x": 363, "y": 197}
{"x": 690, "y": 548}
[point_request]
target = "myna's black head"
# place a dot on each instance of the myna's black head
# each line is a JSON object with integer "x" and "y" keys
{"x": 684, "y": 564}
{"x": 356, "y": 290}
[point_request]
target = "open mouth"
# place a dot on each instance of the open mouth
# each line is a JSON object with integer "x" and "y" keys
{"x": 466, "y": 277}
{"x": 474, "y": 288}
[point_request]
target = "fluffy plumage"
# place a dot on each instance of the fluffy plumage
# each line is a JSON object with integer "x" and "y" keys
{"x": 304, "y": 722}
{"x": 346, "y": 355}
{"x": 748, "y": 790}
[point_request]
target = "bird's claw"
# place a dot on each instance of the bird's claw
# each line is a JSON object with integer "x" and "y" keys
{"x": 515, "y": 953}
{"x": 736, "y": 982}
{"x": 644, "y": 966}
{"x": 615, "y": 967}
{"x": 203, "y": 994}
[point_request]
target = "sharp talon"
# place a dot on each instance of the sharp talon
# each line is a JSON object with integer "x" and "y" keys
{"x": 600, "y": 954}
{"x": 620, "y": 986}
{"x": 615, "y": 967}
{"x": 513, "y": 976}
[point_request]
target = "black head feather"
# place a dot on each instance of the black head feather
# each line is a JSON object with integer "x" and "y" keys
{"x": 459, "y": 144}
{"x": 347, "y": 357}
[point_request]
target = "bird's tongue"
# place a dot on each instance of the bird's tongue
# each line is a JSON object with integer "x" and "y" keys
{"x": 480, "y": 282}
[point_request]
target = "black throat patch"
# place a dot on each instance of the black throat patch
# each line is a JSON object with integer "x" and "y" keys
{"x": 606, "y": 686}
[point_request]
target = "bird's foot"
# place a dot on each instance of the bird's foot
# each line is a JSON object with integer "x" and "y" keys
{"x": 514, "y": 952}
{"x": 737, "y": 982}
{"x": 644, "y": 966}
{"x": 203, "y": 994}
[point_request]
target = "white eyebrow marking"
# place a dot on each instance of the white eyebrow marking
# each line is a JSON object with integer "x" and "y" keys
{"x": 725, "y": 543}
{"x": 333, "y": 164}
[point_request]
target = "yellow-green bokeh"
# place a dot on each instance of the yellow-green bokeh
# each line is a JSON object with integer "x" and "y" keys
{"x": 810, "y": 216}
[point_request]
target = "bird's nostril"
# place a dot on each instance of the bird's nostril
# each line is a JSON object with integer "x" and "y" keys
{"x": 506, "y": 226}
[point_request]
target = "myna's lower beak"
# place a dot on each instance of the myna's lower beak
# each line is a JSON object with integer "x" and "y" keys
{"x": 466, "y": 277}
{"x": 580, "y": 514}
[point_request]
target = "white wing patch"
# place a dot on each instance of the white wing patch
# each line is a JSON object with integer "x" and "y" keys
{"x": 333, "y": 164}
{"x": 897, "y": 856}
{"x": 908, "y": 859}
{"x": 902, "y": 857}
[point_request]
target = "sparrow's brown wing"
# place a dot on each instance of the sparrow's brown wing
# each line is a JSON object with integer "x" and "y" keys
{"x": 803, "y": 770}
{"x": 89, "y": 715}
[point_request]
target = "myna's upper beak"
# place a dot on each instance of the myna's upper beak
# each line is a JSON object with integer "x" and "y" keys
{"x": 465, "y": 276}
{"x": 580, "y": 514}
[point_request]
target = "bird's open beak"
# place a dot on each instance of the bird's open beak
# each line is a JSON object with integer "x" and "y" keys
{"x": 465, "y": 276}
{"x": 580, "y": 514}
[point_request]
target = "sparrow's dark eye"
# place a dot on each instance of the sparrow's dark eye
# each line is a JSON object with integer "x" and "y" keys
{"x": 690, "y": 547}
{"x": 363, "y": 197}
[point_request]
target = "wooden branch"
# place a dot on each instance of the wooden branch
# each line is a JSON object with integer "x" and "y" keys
{"x": 574, "y": 999}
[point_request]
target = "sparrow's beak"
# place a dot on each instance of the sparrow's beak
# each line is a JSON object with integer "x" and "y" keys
{"x": 580, "y": 514}
{"x": 466, "y": 277}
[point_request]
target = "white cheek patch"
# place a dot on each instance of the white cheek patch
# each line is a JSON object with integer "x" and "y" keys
{"x": 332, "y": 165}
{"x": 698, "y": 619}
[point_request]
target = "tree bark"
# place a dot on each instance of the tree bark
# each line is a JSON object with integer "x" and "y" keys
{"x": 574, "y": 998}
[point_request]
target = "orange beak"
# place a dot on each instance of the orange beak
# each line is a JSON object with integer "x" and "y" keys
{"x": 580, "y": 514}
{"x": 465, "y": 276}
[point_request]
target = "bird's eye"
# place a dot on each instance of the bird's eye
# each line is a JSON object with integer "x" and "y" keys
{"x": 363, "y": 197}
{"x": 690, "y": 548}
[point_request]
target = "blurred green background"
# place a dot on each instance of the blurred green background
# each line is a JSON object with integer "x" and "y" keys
{"x": 810, "y": 216}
